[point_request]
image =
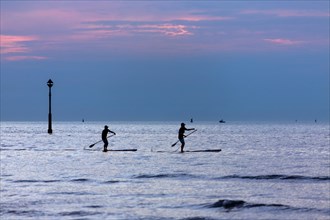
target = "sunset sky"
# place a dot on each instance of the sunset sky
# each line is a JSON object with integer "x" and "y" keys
{"x": 165, "y": 60}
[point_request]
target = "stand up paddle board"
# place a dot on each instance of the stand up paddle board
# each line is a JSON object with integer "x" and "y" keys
{"x": 121, "y": 150}
{"x": 207, "y": 150}
{"x": 190, "y": 151}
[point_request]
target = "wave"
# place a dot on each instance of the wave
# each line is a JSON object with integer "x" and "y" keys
{"x": 147, "y": 176}
{"x": 72, "y": 180}
{"x": 21, "y": 213}
{"x": 231, "y": 204}
{"x": 36, "y": 181}
{"x": 15, "y": 149}
{"x": 37, "y": 149}
{"x": 79, "y": 213}
{"x": 228, "y": 205}
{"x": 278, "y": 177}
{"x": 112, "y": 181}
{"x": 80, "y": 180}
{"x": 50, "y": 181}
{"x": 69, "y": 193}
{"x": 197, "y": 218}
{"x": 94, "y": 206}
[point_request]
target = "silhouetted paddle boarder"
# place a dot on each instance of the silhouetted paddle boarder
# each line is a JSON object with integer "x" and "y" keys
{"x": 104, "y": 137}
{"x": 181, "y": 135}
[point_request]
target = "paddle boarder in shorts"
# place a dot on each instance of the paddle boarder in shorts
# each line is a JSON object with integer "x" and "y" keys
{"x": 104, "y": 137}
{"x": 181, "y": 135}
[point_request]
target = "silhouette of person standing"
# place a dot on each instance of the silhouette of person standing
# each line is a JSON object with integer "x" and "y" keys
{"x": 104, "y": 137}
{"x": 181, "y": 135}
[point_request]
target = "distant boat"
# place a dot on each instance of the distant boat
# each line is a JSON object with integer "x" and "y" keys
{"x": 222, "y": 121}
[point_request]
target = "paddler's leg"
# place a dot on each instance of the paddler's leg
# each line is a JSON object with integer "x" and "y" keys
{"x": 105, "y": 147}
{"x": 182, "y": 144}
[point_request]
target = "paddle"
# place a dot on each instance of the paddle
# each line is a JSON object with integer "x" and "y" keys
{"x": 186, "y": 136}
{"x": 92, "y": 145}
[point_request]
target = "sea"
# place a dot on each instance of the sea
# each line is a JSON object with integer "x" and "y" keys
{"x": 265, "y": 170}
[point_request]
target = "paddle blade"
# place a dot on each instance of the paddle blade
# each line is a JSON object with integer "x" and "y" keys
{"x": 91, "y": 146}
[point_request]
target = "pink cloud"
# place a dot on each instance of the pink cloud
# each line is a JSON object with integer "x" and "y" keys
{"x": 11, "y": 44}
{"x": 203, "y": 18}
{"x": 57, "y": 26}
{"x": 104, "y": 31}
{"x": 167, "y": 29}
{"x": 289, "y": 13}
{"x": 111, "y": 25}
{"x": 41, "y": 19}
{"x": 282, "y": 41}
{"x": 69, "y": 20}
{"x": 19, "y": 58}
{"x": 15, "y": 44}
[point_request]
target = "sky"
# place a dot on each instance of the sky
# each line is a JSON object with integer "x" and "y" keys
{"x": 165, "y": 60}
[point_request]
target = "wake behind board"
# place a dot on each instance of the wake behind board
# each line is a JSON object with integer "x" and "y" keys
{"x": 122, "y": 150}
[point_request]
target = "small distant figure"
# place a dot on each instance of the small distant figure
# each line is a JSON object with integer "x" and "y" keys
{"x": 315, "y": 121}
{"x": 83, "y": 120}
{"x": 222, "y": 121}
{"x": 191, "y": 120}
{"x": 181, "y": 135}
{"x": 104, "y": 137}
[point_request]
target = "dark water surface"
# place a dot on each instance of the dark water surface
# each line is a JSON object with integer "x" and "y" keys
{"x": 264, "y": 171}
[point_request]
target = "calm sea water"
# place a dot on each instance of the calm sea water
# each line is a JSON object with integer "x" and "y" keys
{"x": 264, "y": 171}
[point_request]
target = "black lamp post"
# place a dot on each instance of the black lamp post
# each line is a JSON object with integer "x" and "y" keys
{"x": 50, "y": 84}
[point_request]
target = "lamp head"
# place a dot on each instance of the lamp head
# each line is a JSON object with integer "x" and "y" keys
{"x": 50, "y": 83}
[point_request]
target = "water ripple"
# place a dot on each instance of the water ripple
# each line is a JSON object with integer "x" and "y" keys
{"x": 36, "y": 181}
{"x": 156, "y": 176}
{"x": 228, "y": 205}
{"x": 277, "y": 177}
{"x": 79, "y": 213}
